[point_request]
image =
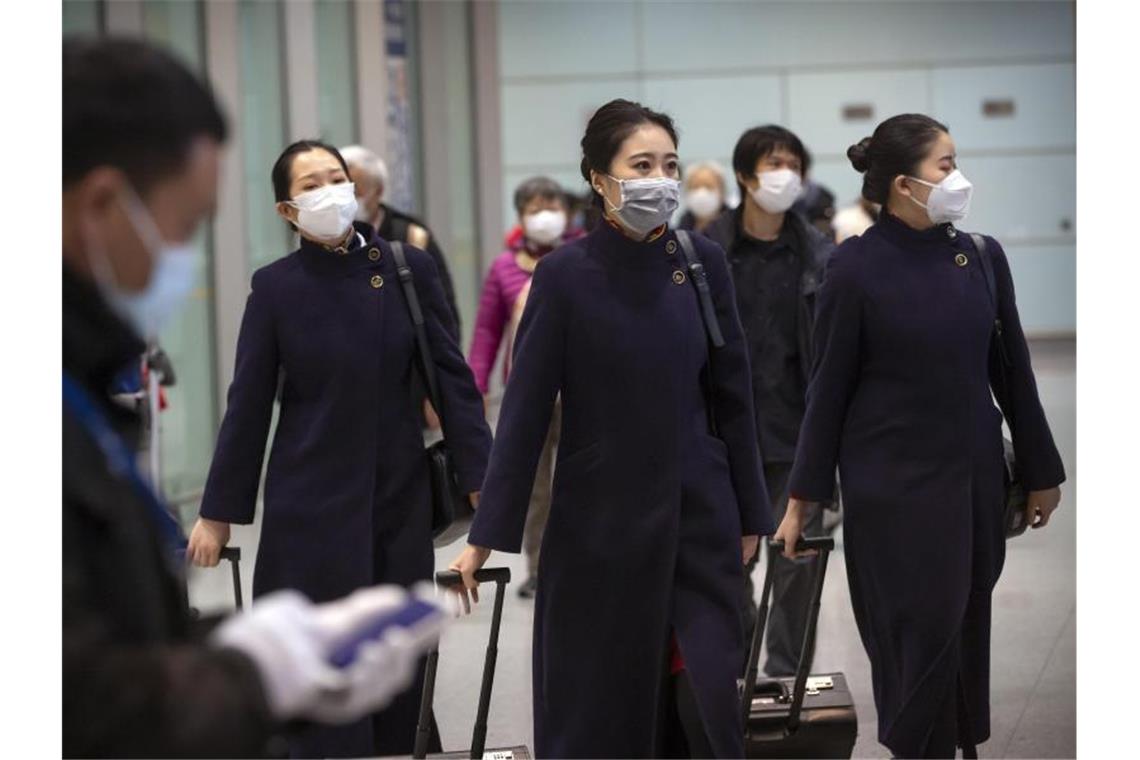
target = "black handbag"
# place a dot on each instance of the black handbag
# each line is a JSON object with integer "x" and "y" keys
{"x": 451, "y": 510}
{"x": 1016, "y": 497}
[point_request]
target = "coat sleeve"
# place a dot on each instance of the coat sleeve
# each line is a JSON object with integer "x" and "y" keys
{"x": 464, "y": 422}
{"x": 489, "y": 324}
{"x": 524, "y": 418}
{"x": 235, "y": 472}
{"x": 835, "y": 373}
{"x": 1037, "y": 455}
{"x": 731, "y": 384}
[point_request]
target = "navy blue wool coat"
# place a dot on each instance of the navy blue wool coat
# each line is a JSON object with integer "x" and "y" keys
{"x": 900, "y": 399}
{"x": 347, "y": 495}
{"x": 648, "y": 507}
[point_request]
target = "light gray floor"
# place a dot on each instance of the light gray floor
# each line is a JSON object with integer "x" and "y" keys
{"x": 1033, "y": 698}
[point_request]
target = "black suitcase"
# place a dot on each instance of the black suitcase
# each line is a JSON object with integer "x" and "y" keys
{"x": 500, "y": 576}
{"x": 803, "y": 716}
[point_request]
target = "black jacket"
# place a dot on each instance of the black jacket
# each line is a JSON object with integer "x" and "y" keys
{"x": 136, "y": 682}
{"x": 396, "y": 225}
{"x": 688, "y": 220}
{"x": 813, "y": 246}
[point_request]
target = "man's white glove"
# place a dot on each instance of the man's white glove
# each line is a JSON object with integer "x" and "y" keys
{"x": 291, "y": 641}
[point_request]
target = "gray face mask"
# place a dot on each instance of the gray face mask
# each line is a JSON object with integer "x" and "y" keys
{"x": 646, "y": 203}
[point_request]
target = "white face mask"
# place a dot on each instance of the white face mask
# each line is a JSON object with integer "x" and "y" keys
{"x": 545, "y": 227}
{"x": 646, "y": 203}
{"x": 949, "y": 200}
{"x": 778, "y": 190}
{"x": 703, "y": 202}
{"x": 327, "y": 212}
{"x": 171, "y": 277}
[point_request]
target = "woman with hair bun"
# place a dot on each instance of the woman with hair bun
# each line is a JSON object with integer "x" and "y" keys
{"x": 907, "y": 344}
{"x": 654, "y": 513}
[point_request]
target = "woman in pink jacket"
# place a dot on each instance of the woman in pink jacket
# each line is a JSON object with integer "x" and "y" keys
{"x": 542, "y": 209}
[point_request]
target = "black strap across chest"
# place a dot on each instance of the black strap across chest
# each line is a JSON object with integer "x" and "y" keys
{"x": 427, "y": 365}
{"x": 700, "y": 280}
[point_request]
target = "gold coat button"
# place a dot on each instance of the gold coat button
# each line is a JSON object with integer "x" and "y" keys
{"x": 678, "y": 277}
{"x": 671, "y": 246}
{"x": 377, "y": 281}
{"x": 961, "y": 260}
{"x": 373, "y": 254}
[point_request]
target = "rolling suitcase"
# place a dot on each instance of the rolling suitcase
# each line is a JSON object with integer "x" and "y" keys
{"x": 500, "y": 576}
{"x": 802, "y": 716}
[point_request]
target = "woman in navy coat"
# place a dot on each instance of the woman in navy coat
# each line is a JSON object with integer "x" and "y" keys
{"x": 900, "y": 398}
{"x": 651, "y": 512}
{"x": 347, "y": 497}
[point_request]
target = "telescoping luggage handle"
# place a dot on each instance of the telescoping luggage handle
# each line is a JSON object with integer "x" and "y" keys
{"x": 233, "y": 555}
{"x": 500, "y": 576}
{"x": 823, "y": 546}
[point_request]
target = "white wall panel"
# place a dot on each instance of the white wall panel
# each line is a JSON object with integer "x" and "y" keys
{"x": 710, "y": 114}
{"x": 719, "y": 67}
{"x": 543, "y": 123}
{"x": 706, "y": 35}
{"x": 1022, "y": 197}
{"x": 816, "y": 104}
{"x": 567, "y": 37}
{"x": 1043, "y": 100}
{"x": 1044, "y": 278}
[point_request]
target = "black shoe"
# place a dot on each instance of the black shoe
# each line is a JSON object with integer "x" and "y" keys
{"x": 529, "y": 587}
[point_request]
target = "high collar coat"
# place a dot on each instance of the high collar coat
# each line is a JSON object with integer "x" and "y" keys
{"x": 347, "y": 496}
{"x": 648, "y": 507}
{"x": 900, "y": 398}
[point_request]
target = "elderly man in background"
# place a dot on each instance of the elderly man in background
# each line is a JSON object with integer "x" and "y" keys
{"x": 370, "y": 175}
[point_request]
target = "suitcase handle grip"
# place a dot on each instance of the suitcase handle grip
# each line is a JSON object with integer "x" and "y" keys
{"x": 497, "y": 575}
{"x": 805, "y": 544}
{"x": 231, "y": 553}
{"x": 773, "y": 688}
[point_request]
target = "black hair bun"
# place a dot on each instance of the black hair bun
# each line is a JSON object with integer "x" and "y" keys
{"x": 859, "y": 155}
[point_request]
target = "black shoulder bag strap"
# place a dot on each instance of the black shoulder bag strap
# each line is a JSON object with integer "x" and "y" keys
{"x": 998, "y": 335}
{"x": 427, "y": 366}
{"x": 701, "y": 281}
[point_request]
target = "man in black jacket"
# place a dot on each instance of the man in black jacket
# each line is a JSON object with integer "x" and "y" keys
{"x": 370, "y": 175}
{"x": 777, "y": 260}
{"x": 142, "y": 141}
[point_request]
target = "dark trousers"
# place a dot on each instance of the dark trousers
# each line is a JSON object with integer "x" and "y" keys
{"x": 791, "y": 585}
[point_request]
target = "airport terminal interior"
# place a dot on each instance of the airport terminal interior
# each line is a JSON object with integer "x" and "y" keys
{"x": 465, "y": 100}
